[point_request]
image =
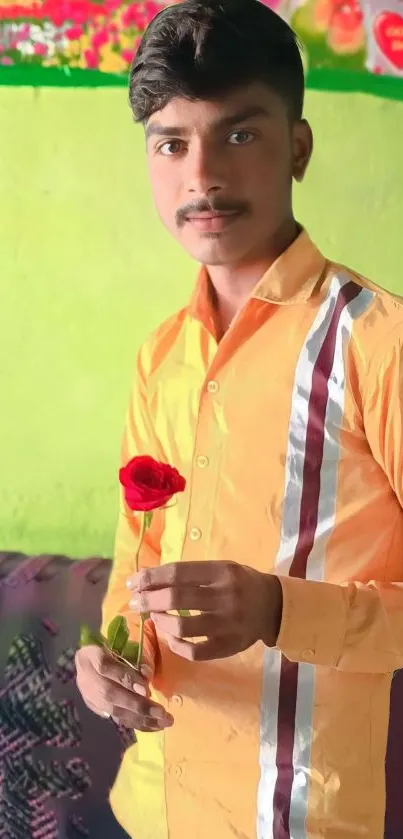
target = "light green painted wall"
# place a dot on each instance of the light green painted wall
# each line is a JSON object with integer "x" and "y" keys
{"x": 86, "y": 271}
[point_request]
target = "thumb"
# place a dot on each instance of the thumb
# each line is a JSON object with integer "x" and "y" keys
{"x": 146, "y": 672}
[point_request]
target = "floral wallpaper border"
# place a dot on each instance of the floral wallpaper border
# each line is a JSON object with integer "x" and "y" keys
{"x": 74, "y": 33}
{"x": 354, "y": 45}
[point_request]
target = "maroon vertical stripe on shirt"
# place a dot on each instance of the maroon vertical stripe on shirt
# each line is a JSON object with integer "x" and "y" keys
{"x": 288, "y": 686}
{"x": 394, "y": 761}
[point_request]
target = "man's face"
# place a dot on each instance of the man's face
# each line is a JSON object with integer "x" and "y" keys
{"x": 221, "y": 172}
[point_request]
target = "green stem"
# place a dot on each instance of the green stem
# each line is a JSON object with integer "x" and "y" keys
{"x": 141, "y": 643}
{"x": 142, "y": 532}
{"x": 141, "y": 639}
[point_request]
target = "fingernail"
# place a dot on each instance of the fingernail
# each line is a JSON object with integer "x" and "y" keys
{"x": 160, "y": 714}
{"x": 129, "y": 584}
{"x": 140, "y": 689}
{"x": 134, "y": 604}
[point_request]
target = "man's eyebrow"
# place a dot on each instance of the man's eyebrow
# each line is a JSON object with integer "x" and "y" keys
{"x": 156, "y": 129}
{"x": 249, "y": 112}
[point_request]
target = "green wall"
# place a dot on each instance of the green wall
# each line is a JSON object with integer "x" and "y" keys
{"x": 86, "y": 271}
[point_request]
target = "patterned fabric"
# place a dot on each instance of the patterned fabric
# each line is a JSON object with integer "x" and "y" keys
{"x": 289, "y": 433}
{"x": 57, "y": 759}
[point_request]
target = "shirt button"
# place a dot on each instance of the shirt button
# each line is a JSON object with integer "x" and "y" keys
{"x": 202, "y": 461}
{"x": 212, "y": 387}
{"x": 177, "y": 700}
{"x": 195, "y": 534}
{"x": 176, "y": 770}
{"x": 308, "y": 653}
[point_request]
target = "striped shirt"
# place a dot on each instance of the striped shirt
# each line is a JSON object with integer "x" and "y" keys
{"x": 289, "y": 433}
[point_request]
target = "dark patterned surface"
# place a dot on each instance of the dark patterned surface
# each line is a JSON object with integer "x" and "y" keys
{"x": 57, "y": 759}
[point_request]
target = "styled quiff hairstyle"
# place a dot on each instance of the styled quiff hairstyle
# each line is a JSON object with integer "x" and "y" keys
{"x": 203, "y": 49}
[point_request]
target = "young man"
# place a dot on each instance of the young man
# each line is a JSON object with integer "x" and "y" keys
{"x": 277, "y": 393}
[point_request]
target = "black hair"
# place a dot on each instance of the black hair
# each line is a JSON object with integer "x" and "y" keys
{"x": 202, "y": 49}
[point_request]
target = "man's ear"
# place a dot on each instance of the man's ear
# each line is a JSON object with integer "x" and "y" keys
{"x": 302, "y": 145}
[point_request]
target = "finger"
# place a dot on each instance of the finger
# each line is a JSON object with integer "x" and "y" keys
{"x": 121, "y": 674}
{"x": 202, "y": 598}
{"x": 207, "y": 573}
{"x": 98, "y": 711}
{"x": 213, "y": 648}
{"x": 141, "y": 723}
{"x": 94, "y": 662}
{"x": 198, "y": 626}
{"x": 103, "y": 693}
{"x": 130, "y": 720}
{"x": 107, "y": 696}
{"x": 147, "y": 672}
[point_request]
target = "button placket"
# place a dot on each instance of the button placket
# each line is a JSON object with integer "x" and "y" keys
{"x": 202, "y": 488}
{"x": 202, "y": 461}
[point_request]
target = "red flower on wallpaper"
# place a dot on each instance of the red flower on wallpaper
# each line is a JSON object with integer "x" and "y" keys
{"x": 343, "y": 22}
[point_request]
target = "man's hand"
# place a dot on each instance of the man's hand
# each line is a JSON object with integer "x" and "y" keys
{"x": 113, "y": 689}
{"x": 238, "y": 606}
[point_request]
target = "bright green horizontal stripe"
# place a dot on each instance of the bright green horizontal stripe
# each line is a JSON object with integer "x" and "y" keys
{"x": 388, "y": 87}
{"x": 24, "y": 76}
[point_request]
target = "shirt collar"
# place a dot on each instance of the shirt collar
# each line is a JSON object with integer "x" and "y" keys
{"x": 292, "y": 278}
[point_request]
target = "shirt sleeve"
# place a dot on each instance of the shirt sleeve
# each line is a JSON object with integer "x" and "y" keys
{"x": 357, "y": 627}
{"x": 138, "y": 439}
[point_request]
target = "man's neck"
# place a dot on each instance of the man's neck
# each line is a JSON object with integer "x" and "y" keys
{"x": 233, "y": 284}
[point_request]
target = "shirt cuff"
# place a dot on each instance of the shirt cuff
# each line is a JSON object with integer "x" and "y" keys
{"x": 314, "y": 621}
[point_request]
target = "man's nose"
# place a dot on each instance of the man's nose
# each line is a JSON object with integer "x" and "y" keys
{"x": 205, "y": 172}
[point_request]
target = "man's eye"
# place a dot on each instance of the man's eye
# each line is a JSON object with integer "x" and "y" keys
{"x": 170, "y": 148}
{"x": 241, "y": 138}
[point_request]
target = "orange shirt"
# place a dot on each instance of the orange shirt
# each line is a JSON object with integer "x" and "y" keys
{"x": 290, "y": 435}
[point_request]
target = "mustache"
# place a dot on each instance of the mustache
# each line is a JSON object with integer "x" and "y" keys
{"x": 210, "y": 205}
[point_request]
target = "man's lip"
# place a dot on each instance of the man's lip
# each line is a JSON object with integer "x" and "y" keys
{"x": 212, "y": 215}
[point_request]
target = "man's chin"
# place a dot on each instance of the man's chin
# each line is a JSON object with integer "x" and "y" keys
{"x": 212, "y": 249}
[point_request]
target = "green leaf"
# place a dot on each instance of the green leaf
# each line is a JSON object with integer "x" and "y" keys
{"x": 130, "y": 651}
{"x": 184, "y": 613}
{"x": 88, "y": 637}
{"x": 118, "y": 634}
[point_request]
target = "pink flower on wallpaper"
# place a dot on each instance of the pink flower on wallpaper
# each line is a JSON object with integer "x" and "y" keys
{"x": 74, "y": 33}
{"x": 139, "y": 15}
{"x": 128, "y": 55}
{"x": 24, "y": 32}
{"x": 113, "y": 33}
{"x": 100, "y": 38}
{"x": 91, "y": 59}
{"x": 40, "y": 49}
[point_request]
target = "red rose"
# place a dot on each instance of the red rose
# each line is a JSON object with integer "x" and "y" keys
{"x": 149, "y": 484}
